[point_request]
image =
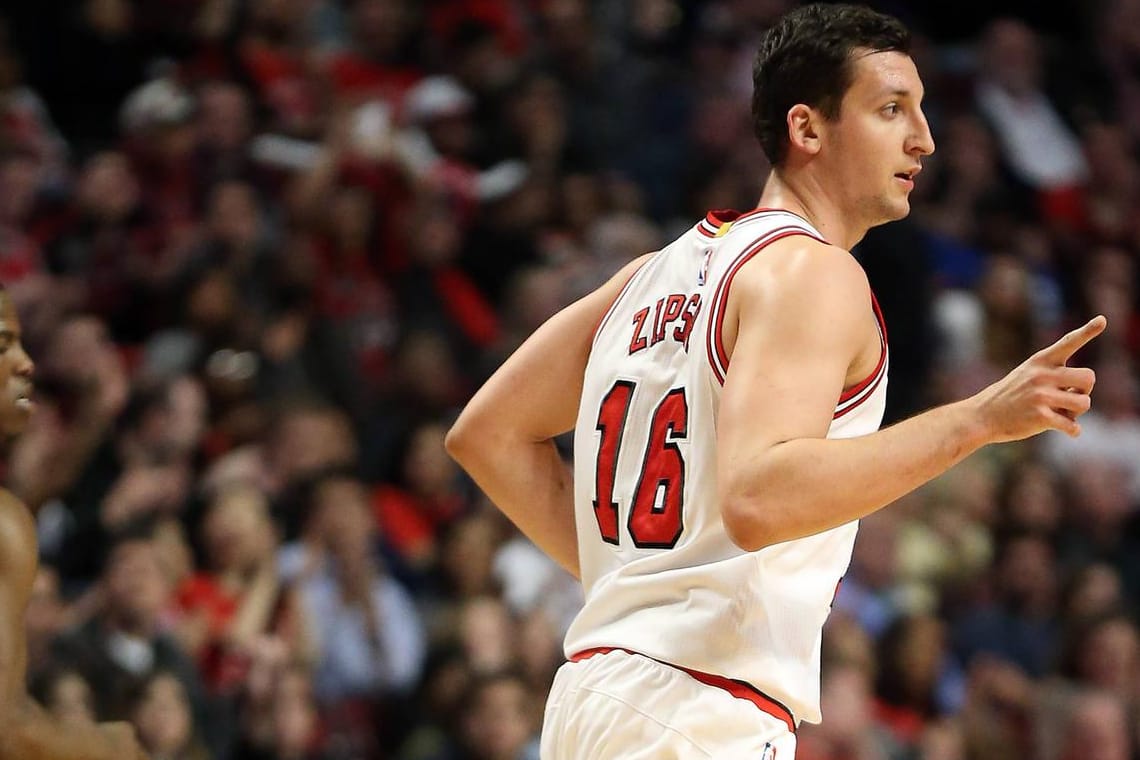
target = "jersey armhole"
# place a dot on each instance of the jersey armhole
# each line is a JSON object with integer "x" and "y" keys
{"x": 714, "y": 340}
{"x": 858, "y": 393}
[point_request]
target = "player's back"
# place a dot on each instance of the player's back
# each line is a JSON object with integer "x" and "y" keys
{"x": 661, "y": 576}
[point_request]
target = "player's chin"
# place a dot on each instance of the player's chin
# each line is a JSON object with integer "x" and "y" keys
{"x": 898, "y": 209}
{"x": 891, "y": 212}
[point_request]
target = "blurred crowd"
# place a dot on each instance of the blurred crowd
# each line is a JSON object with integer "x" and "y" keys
{"x": 263, "y": 250}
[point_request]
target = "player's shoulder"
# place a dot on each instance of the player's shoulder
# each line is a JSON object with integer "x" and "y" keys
{"x": 18, "y": 552}
{"x": 17, "y": 526}
{"x": 11, "y": 504}
{"x": 806, "y": 263}
{"x": 632, "y": 267}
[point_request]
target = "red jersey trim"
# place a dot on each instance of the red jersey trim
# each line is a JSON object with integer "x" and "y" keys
{"x": 717, "y": 217}
{"x": 855, "y": 403}
{"x": 857, "y": 394}
{"x": 617, "y": 299}
{"x": 718, "y": 357}
{"x": 708, "y": 227}
{"x": 855, "y": 389}
{"x": 739, "y": 689}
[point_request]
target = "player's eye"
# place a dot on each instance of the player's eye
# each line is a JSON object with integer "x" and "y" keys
{"x": 891, "y": 109}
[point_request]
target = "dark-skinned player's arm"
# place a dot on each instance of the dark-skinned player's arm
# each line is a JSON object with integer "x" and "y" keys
{"x": 800, "y": 316}
{"x": 504, "y": 436}
{"x": 27, "y": 732}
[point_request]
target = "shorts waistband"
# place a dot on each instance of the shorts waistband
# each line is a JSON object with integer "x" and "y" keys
{"x": 739, "y": 689}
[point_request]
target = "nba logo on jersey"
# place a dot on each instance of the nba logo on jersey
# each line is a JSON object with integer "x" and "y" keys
{"x": 703, "y": 272}
{"x": 769, "y": 752}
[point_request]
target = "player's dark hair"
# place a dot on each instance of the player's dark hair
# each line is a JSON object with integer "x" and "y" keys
{"x": 807, "y": 58}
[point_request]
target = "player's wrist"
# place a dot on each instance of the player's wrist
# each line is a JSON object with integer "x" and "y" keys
{"x": 971, "y": 425}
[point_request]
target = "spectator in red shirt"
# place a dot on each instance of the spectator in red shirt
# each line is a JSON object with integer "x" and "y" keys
{"x": 274, "y": 55}
{"x": 240, "y": 599}
{"x": 380, "y": 62}
{"x": 413, "y": 514}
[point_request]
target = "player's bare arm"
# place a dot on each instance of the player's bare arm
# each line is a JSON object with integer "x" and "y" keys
{"x": 26, "y": 731}
{"x": 504, "y": 436}
{"x": 799, "y": 328}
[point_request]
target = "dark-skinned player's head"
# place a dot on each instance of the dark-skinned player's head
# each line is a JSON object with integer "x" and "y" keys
{"x": 807, "y": 58}
{"x": 16, "y": 369}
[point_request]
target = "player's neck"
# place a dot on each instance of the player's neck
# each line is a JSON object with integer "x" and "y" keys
{"x": 807, "y": 197}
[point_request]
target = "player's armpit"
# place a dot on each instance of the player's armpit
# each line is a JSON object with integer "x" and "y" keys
{"x": 503, "y": 438}
{"x": 799, "y": 316}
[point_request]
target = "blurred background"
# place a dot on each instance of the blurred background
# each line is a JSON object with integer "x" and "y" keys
{"x": 263, "y": 250}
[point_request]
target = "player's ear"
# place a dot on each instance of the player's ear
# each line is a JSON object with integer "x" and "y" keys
{"x": 802, "y": 128}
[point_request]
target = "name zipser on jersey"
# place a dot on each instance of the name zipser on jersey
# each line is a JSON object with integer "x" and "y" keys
{"x": 661, "y": 576}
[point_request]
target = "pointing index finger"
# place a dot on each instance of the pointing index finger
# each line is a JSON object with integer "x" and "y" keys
{"x": 1071, "y": 342}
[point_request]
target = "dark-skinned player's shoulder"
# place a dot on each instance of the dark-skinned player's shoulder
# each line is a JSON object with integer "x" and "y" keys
{"x": 17, "y": 529}
{"x": 9, "y": 502}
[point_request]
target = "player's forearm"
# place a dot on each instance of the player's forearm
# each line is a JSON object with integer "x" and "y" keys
{"x": 531, "y": 484}
{"x": 808, "y": 485}
{"x": 29, "y": 733}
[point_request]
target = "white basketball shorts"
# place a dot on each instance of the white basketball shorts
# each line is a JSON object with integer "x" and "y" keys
{"x": 616, "y": 705}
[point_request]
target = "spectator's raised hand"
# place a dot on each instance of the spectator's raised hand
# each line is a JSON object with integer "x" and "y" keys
{"x": 141, "y": 490}
{"x": 82, "y": 358}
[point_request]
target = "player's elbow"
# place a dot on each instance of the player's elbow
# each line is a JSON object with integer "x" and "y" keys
{"x": 459, "y": 441}
{"x": 472, "y": 438}
{"x": 748, "y": 521}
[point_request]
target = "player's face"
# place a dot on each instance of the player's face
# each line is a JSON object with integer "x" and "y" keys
{"x": 880, "y": 137}
{"x": 15, "y": 372}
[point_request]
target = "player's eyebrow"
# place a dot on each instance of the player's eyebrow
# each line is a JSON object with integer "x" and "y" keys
{"x": 902, "y": 92}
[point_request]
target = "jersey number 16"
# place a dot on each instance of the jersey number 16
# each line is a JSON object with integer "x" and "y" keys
{"x": 655, "y": 520}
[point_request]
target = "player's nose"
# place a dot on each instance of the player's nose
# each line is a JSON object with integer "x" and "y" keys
{"x": 25, "y": 367}
{"x": 921, "y": 140}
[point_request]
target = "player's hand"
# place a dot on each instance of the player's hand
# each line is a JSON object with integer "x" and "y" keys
{"x": 1043, "y": 393}
{"x": 122, "y": 741}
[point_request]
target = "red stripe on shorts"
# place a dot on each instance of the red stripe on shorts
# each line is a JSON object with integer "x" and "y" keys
{"x": 738, "y": 689}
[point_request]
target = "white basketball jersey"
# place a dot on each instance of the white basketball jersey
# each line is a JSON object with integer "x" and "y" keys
{"x": 661, "y": 576}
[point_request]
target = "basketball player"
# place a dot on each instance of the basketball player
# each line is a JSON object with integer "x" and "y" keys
{"x": 725, "y": 394}
{"x": 27, "y": 732}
